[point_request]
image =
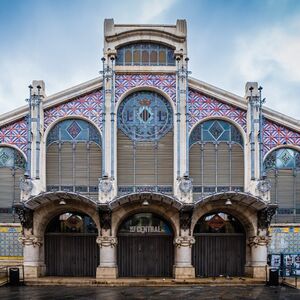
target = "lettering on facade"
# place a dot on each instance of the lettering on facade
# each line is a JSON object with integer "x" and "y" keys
{"x": 145, "y": 229}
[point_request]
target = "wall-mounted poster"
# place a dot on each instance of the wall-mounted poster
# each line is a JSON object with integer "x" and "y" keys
{"x": 275, "y": 261}
{"x": 291, "y": 264}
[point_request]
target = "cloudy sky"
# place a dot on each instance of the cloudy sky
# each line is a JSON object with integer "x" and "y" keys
{"x": 229, "y": 41}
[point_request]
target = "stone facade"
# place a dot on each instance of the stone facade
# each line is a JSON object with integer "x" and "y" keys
{"x": 97, "y": 102}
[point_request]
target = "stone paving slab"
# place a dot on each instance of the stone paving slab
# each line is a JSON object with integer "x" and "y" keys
{"x": 133, "y": 293}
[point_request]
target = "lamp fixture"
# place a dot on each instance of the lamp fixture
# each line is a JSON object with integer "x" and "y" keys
{"x": 145, "y": 202}
{"x": 62, "y": 202}
{"x": 228, "y": 202}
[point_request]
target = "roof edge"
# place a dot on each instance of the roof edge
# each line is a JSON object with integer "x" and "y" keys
{"x": 53, "y": 100}
{"x": 241, "y": 102}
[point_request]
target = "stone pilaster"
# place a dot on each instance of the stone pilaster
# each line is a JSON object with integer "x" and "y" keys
{"x": 183, "y": 257}
{"x": 258, "y": 245}
{"x": 33, "y": 266}
{"x": 108, "y": 257}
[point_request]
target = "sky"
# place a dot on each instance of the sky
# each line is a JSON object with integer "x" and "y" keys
{"x": 230, "y": 42}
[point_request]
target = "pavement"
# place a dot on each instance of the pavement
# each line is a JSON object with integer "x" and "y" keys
{"x": 245, "y": 292}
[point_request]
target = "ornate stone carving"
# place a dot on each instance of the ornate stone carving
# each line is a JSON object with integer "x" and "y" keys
{"x": 185, "y": 216}
{"x": 26, "y": 185}
{"x": 105, "y": 217}
{"x": 105, "y": 185}
{"x": 265, "y": 215}
{"x": 259, "y": 240}
{"x": 184, "y": 241}
{"x": 30, "y": 240}
{"x": 107, "y": 241}
{"x": 25, "y": 215}
{"x": 185, "y": 184}
{"x": 264, "y": 185}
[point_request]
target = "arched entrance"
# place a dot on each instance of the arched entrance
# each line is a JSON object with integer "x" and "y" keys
{"x": 145, "y": 246}
{"x": 220, "y": 246}
{"x": 70, "y": 245}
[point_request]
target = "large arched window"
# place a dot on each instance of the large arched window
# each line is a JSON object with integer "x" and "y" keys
{"x": 145, "y": 143}
{"x": 12, "y": 168}
{"x": 216, "y": 158}
{"x": 145, "y": 54}
{"x": 74, "y": 157}
{"x": 282, "y": 168}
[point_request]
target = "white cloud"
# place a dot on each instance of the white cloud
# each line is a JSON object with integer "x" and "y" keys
{"x": 152, "y": 8}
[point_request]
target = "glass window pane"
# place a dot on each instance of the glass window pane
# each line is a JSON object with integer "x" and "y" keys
{"x": 145, "y": 57}
{"x": 162, "y": 57}
{"x": 153, "y": 57}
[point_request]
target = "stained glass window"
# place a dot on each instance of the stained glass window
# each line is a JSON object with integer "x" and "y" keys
{"x": 11, "y": 158}
{"x": 74, "y": 130}
{"x": 215, "y": 131}
{"x": 284, "y": 158}
{"x": 145, "y": 116}
{"x": 139, "y": 54}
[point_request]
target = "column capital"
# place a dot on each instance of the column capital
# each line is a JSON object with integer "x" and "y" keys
{"x": 259, "y": 240}
{"x": 107, "y": 241}
{"x": 184, "y": 241}
{"x": 31, "y": 240}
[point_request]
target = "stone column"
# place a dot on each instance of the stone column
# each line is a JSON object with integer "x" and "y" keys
{"x": 258, "y": 245}
{"x": 183, "y": 257}
{"x": 108, "y": 257}
{"x": 33, "y": 266}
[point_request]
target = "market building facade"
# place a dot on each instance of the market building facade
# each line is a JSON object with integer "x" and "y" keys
{"x": 146, "y": 171}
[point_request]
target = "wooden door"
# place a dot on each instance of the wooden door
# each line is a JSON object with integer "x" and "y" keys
{"x": 219, "y": 254}
{"x": 71, "y": 254}
{"x": 145, "y": 256}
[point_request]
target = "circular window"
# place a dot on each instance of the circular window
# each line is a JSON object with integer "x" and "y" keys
{"x": 145, "y": 116}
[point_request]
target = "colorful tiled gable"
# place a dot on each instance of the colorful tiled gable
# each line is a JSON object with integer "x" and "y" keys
{"x": 201, "y": 106}
{"x": 89, "y": 106}
{"x": 15, "y": 134}
{"x": 275, "y": 134}
{"x": 164, "y": 82}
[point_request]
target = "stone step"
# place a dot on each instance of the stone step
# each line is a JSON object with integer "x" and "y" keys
{"x": 67, "y": 281}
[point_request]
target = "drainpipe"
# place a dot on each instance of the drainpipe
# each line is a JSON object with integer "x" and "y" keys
{"x": 103, "y": 114}
{"x": 29, "y": 121}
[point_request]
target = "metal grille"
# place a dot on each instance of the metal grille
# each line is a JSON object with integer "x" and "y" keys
{"x": 282, "y": 167}
{"x": 12, "y": 168}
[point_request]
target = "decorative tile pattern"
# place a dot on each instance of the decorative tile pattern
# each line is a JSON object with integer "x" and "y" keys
{"x": 15, "y": 134}
{"x": 201, "y": 106}
{"x": 164, "y": 82}
{"x": 9, "y": 243}
{"x": 89, "y": 106}
{"x": 284, "y": 240}
{"x": 275, "y": 134}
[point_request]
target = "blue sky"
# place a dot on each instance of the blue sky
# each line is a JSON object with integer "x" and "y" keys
{"x": 229, "y": 42}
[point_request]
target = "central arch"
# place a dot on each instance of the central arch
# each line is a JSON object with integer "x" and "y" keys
{"x": 145, "y": 246}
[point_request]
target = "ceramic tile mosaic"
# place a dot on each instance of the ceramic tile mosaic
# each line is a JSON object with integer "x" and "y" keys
{"x": 202, "y": 106}
{"x": 284, "y": 240}
{"x": 164, "y": 82}
{"x": 9, "y": 243}
{"x": 275, "y": 134}
{"x": 89, "y": 106}
{"x": 15, "y": 134}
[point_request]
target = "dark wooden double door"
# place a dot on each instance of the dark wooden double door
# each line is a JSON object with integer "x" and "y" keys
{"x": 71, "y": 254}
{"x": 219, "y": 254}
{"x": 145, "y": 256}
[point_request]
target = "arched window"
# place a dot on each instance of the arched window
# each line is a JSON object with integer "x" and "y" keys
{"x": 216, "y": 158}
{"x": 145, "y": 54}
{"x": 282, "y": 168}
{"x": 145, "y": 143}
{"x": 12, "y": 168}
{"x": 74, "y": 157}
